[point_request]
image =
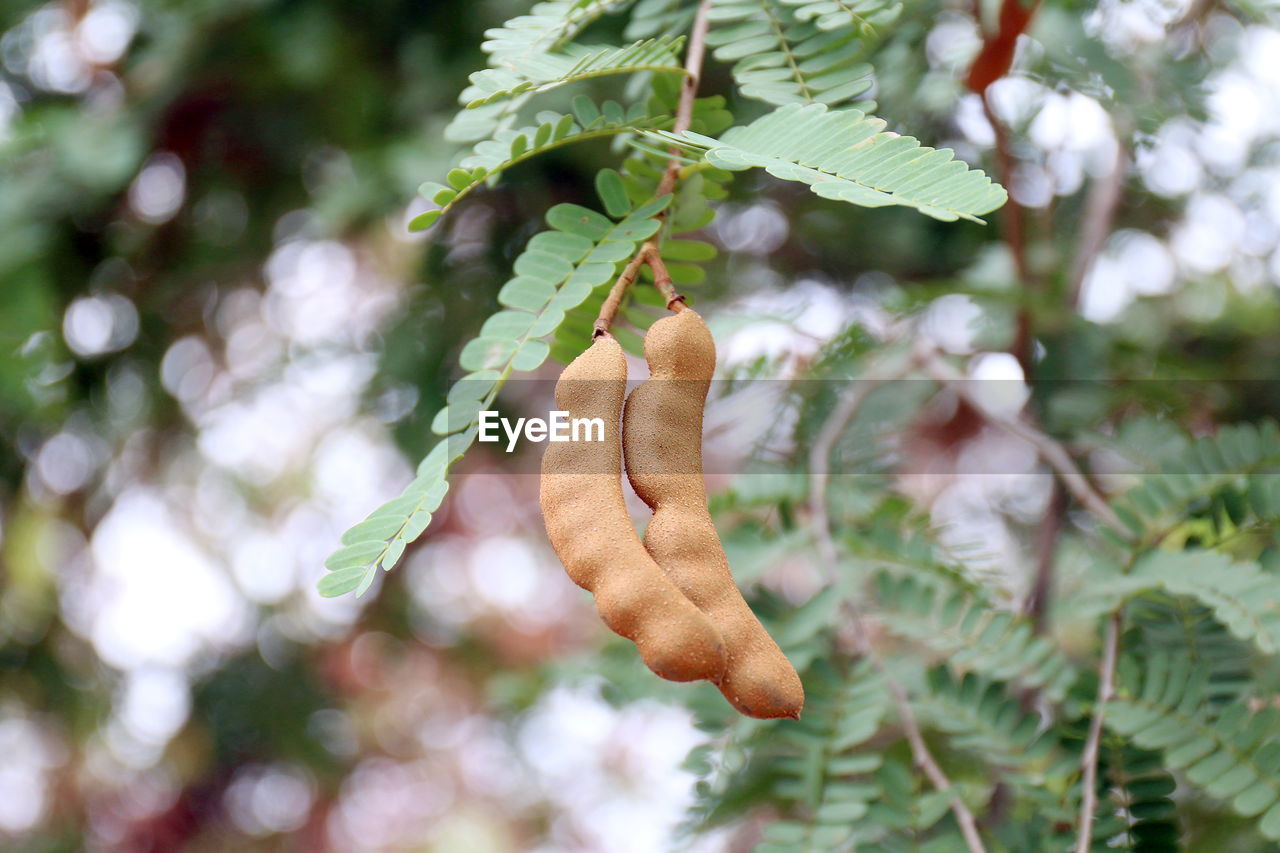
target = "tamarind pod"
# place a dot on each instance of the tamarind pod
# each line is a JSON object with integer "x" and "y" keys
{"x": 589, "y": 528}
{"x": 662, "y": 446}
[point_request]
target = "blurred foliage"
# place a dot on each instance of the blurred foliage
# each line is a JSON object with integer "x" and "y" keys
{"x": 162, "y": 164}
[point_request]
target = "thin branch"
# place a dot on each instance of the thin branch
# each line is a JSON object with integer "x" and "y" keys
{"x": 1036, "y": 605}
{"x": 662, "y": 278}
{"x": 1013, "y": 218}
{"x": 819, "y": 470}
{"x": 1089, "y": 762}
{"x": 1053, "y": 453}
{"x": 820, "y": 461}
{"x": 688, "y": 92}
{"x": 924, "y": 760}
{"x": 648, "y": 252}
{"x": 610, "y": 307}
{"x": 1100, "y": 207}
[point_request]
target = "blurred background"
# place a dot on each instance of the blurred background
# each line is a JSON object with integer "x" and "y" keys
{"x": 220, "y": 347}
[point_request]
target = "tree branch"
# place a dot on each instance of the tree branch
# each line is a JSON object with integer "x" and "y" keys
{"x": 688, "y": 92}
{"x": 648, "y": 252}
{"x": 819, "y": 465}
{"x": 819, "y": 471}
{"x": 610, "y": 307}
{"x": 1089, "y": 762}
{"x": 1036, "y": 605}
{"x": 1014, "y": 218}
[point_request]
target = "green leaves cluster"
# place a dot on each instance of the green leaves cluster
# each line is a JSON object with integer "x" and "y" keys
{"x": 555, "y": 274}
{"x": 830, "y": 788}
{"x": 784, "y": 55}
{"x": 1241, "y": 595}
{"x": 848, "y": 156}
{"x": 1233, "y": 755}
{"x": 1208, "y": 465}
{"x": 546, "y": 71}
{"x": 972, "y": 633}
{"x": 509, "y": 147}
{"x": 524, "y": 44}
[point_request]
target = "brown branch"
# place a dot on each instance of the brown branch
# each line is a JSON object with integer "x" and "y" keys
{"x": 819, "y": 464}
{"x": 998, "y": 48}
{"x": 1089, "y": 762}
{"x": 688, "y": 92}
{"x": 648, "y": 252}
{"x": 1036, "y": 605}
{"x": 819, "y": 471}
{"x": 609, "y": 309}
{"x": 662, "y": 278}
{"x": 925, "y": 761}
{"x": 1013, "y": 217}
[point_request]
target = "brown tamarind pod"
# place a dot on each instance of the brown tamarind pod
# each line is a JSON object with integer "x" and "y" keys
{"x": 591, "y": 531}
{"x": 662, "y": 445}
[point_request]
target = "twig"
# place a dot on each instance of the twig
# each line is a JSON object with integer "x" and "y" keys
{"x": 662, "y": 278}
{"x": 819, "y": 469}
{"x": 1089, "y": 762}
{"x": 688, "y": 92}
{"x": 820, "y": 461}
{"x": 1036, "y": 606}
{"x": 924, "y": 760}
{"x": 648, "y": 252}
{"x": 1100, "y": 206}
{"x": 610, "y": 307}
{"x": 1053, "y": 453}
{"x": 1014, "y": 218}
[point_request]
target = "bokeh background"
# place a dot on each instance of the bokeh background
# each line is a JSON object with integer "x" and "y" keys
{"x": 220, "y": 346}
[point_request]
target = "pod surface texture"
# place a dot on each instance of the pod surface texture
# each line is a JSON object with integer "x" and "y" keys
{"x": 589, "y": 528}
{"x": 662, "y": 445}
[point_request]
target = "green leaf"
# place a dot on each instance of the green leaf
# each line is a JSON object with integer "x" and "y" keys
{"x": 508, "y": 147}
{"x": 688, "y": 250}
{"x": 342, "y": 581}
{"x": 357, "y": 554}
{"x": 532, "y": 73}
{"x": 507, "y": 325}
{"x": 848, "y": 156}
{"x": 394, "y": 552}
{"x": 423, "y": 221}
{"x": 585, "y": 110}
{"x": 531, "y": 354}
{"x": 432, "y": 498}
{"x": 483, "y": 353}
{"x": 529, "y": 294}
{"x": 367, "y": 581}
{"x": 375, "y": 527}
{"x": 612, "y": 193}
{"x": 459, "y": 179}
{"x": 791, "y": 56}
{"x": 579, "y": 220}
{"x": 416, "y": 525}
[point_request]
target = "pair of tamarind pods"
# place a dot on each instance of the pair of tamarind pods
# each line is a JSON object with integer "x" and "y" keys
{"x": 672, "y": 594}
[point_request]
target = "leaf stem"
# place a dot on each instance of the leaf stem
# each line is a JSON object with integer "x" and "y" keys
{"x": 1089, "y": 762}
{"x": 648, "y": 253}
{"x": 610, "y": 307}
{"x": 819, "y": 469}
